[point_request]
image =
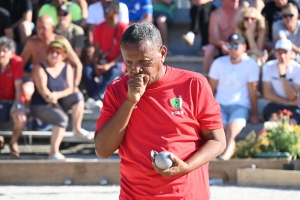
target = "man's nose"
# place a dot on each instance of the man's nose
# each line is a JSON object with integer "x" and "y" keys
{"x": 137, "y": 69}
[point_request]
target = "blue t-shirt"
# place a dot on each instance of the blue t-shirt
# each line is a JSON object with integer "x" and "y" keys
{"x": 137, "y": 8}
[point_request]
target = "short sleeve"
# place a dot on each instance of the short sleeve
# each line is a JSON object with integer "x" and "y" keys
{"x": 214, "y": 72}
{"x": 79, "y": 38}
{"x": 209, "y": 112}
{"x": 147, "y": 7}
{"x": 124, "y": 14}
{"x": 18, "y": 68}
{"x": 278, "y": 30}
{"x": 296, "y": 78}
{"x": 43, "y": 10}
{"x": 75, "y": 12}
{"x": 91, "y": 17}
{"x": 253, "y": 74}
{"x": 110, "y": 107}
{"x": 266, "y": 75}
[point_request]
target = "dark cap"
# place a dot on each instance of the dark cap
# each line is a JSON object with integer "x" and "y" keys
{"x": 64, "y": 8}
{"x": 237, "y": 38}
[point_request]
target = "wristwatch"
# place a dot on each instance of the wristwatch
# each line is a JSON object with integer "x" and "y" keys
{"x": 282, "y": 76}
{"x": 19, "y": 106}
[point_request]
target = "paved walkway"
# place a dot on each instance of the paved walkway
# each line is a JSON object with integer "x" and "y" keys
{"x": 112, "y": 192}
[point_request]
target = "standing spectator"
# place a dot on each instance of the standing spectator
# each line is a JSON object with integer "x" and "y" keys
{"x": 289, "y": 28}
{"x": 163, "y": 16}
{"x": 272, "y": 13}
{"x": 96, "y": 16}
{"x": 35, "y": 49}
{"x": 199, "y": 14}
{"x": 156, "y": 107}
{"x": 251, "y": 24}
{"x": 21, "y": 18}
{"x": 5, "y": 24}
{"x": 54, "y": 95}
{"x": 233, "y": 79}
{"x": 51, "y": 10}
{"x": 72, "y": 32}
{"x": 281, "y": 83}
{"x": 221, "y": 26}
{"x": 107, "y": 56}
{"x": 139, "y": 10}
{"x": 11, "y": 75}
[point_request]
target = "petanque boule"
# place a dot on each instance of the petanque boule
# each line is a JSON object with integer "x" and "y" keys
{"x": 162, "y": 159}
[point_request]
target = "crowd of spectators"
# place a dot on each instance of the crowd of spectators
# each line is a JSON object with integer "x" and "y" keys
{"x": 53, "y": 50}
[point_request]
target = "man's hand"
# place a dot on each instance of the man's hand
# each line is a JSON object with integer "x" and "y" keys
{"x": 102, "y": 69}
{"x": 136, "y": 87}
{"x": 179, "y": 167}
{"x": 254, "y": 119}
{"x": 281, "y": 68}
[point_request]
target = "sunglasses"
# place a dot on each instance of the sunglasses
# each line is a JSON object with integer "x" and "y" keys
{"x": 287, "y": 15}
{"x": 249, "y": 18}
{"x": 62, "y": 14}
{"x": 107, "y": 10}
{"x": 232, "y": 46}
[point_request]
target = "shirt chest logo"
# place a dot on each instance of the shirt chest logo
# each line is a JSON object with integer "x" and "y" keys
{"x": 177, "y": 104}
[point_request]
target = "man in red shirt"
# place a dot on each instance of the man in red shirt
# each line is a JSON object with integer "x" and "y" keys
{"x": 11, "y": 75}
{"x": 157, "y": 107}
{"x": 107, "y": 56}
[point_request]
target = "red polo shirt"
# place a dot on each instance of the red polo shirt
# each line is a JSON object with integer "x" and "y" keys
{"x": 169, "y": 116}
{"x": 13, "y": 71}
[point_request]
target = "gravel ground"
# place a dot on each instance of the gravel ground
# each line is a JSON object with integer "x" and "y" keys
{"x": 228, "y": 192}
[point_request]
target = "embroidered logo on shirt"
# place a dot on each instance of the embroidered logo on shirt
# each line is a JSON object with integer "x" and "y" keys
{"x": 176, "y": 103}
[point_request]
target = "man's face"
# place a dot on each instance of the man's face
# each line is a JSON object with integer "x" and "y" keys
{"x": 64, "y": 18}
{"x": 290, "y": 16}
{"x": 107, "y": 10}
{"x": 144, "y": 58}
{"x": 57, "y": 3}
{"x": 280, "y": 3}
{"x": 236, "y": 50}
{"x": 5, "y": 56}
{"x": 283, "y": 56}
{"x": 44, "y": 30}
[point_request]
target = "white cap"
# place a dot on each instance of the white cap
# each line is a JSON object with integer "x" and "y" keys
{"x": 284, "y": 44}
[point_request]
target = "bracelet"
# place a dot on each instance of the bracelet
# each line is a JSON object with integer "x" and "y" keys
{"x": 282, "y": 76}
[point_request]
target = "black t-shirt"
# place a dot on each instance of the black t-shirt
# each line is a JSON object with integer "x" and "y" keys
{"x": 272, "y": 13}
{"x": 16, "y": 8}
{"x": 4, "y": 21}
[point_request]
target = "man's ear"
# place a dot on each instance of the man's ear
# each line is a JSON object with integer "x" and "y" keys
{"x": 163, "y": 51}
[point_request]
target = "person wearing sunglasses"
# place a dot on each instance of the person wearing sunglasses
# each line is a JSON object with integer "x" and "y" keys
{"x": 233, "y": 79}
{"x": 66, "y": 28}
{"x": 289, "y": 27}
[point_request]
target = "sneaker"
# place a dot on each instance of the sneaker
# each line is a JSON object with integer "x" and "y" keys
{"x": 85, "y": 134}
{"x": 189, "y": 38}
{"x": 90, "y": 104}
{"x": 99, "y": 104}
{"x": 31, "y": 124}
{"x": 44, "y": 127}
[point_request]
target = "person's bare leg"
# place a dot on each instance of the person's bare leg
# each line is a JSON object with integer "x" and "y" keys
{"x": 210, "y": 53}
{"x": 231, "y": 131}
{"x": 25, "y": 31}
{"x": 19, "y": 119}
{"x": 162, "y": 26}
{"x": 77, "y": 114}
{"x": 56, "y": 138}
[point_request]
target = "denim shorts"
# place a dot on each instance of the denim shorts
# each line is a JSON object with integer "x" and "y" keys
{"x": 231, "y": 113}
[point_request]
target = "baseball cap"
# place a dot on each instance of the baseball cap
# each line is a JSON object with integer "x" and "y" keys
{"x": 64, "y": 8}
{"x": 59, "y": 44}
{"x": 284, "y": 44}
{"x": 236, "y": 38}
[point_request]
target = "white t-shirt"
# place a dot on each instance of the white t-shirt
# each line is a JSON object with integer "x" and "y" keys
{"x": 233, "y": 80}
{"x": 271, "y": 74}
{"x": 96, "y": 14}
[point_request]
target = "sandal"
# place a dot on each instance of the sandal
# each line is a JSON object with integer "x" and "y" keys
{"x": 58, "y": 157}
{"x": 85, "y": 134}
{"x": 14, "y": 150}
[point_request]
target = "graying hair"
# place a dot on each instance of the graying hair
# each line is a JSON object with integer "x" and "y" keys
{"x": 8, "y": 43}
{"x": 142, "y": 31}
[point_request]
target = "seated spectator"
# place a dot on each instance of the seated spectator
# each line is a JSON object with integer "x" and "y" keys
{"x": 281, "y": 83}
{"x": 106, "y": 64}
{"x": 54, "y": 95}
{"x": 11, "y": 77}
{"x": 96, "y": 16}
{"x": 251, "y": 24}
{"x": 221, "y": 26}
{"x": 35, "y": 49}
{"x": 162, "y": 17}
{"x": 21, "y": 18}
{"x": 272, "y": 13}
{"x": 289, "y": 28}
{"x": 139, "y": 10}
{"x": 199, "y": 13}
{"x": 5, "y": 24}
{"x": 51, "y": 10}
{"x": 233, "y": 79}
{"x": 72, "y": 32}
